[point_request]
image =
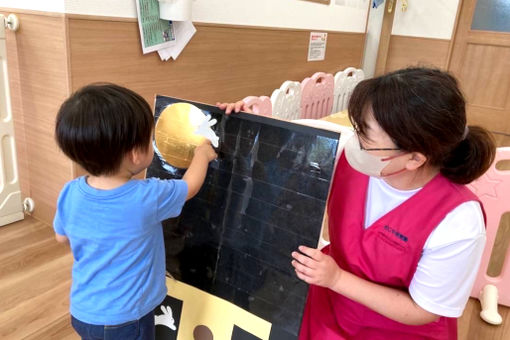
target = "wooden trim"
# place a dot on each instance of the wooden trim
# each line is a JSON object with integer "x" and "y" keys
{"x": 68, "y": 55}
{"x": 488, "y": 38}
{"x": 74, "y": 16}
{"x": 384, "y": 41}
{"x": 76, "y": 170}
{"x": 491, "y": 107}
{"x": 208, "y": 24}
{"x": 472, "y": 8}
{"x": 420, "y": 38}
{"x": 454, "y": 35}
{"x": 271, "y": 28}
{"x": 365, "y": 38}
{"x": 31, "y": 12}
{"x": 368, "y": 15}
{"x": 324, "y": 2}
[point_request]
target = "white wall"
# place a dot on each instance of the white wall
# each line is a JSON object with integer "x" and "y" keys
{"x": 350, "y": 16}
{"x": 110, "y": 8}
{"x": 340, "y": 15}
{"x": 36, "y": 5}
{"x": 428, "y": 19}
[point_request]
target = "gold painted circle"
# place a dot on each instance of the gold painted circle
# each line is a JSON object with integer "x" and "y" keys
{"x": 175, "y": 133}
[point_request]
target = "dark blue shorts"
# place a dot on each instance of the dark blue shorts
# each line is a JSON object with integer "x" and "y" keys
{"x": 141, "y": 329}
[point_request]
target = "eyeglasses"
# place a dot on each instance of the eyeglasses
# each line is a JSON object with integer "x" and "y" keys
{"x": 376, "y": 149}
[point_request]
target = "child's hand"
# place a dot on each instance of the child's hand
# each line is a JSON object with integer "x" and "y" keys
{"x": 197, "y": 170}
{"x": 206, "y": 150}
{"x": 315, "y": 267}
{"x": 234, "y": 107}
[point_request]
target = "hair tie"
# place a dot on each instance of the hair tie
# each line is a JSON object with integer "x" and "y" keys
{"x": 466, "y": 131}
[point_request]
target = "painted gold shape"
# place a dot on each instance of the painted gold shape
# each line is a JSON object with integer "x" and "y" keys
{"x": 175, "y": 133}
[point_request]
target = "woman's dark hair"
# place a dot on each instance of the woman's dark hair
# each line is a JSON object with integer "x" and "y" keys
{"x": 424, "y": 111}
{"x": 100, "y": 123}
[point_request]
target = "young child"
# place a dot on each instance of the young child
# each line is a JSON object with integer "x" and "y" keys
{"x": 112, "y": 221}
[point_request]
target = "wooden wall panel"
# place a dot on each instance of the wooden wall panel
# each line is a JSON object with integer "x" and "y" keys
{"x": 53, "y": 54}
{"x": 486, "y": 79}
{"x": 410, "y": 51}
{"x": 221, "y": 63}
{"x": 37, "y": 61}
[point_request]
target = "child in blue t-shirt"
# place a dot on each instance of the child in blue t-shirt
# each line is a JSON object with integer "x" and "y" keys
{"x": 112, "y": 221}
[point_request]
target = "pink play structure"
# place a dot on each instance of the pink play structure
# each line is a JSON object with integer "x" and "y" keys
{"x": 313, "y": 98}
{"x": 493, "y": 189}
{"x": 317, "y": 95}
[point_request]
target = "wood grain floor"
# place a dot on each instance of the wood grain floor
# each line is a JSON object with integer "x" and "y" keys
{"x": 35, "y": 277}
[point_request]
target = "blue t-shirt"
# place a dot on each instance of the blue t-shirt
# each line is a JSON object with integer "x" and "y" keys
{"x": 117, "y": 242}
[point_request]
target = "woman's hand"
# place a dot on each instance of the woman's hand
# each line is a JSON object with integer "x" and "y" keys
{"x": 315, "y": 267}
{"x": 234, "y": 107}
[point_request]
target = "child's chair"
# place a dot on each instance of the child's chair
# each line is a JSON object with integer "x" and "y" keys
{"x": 317, "y": 95}
{"x": 259, "y": 105}
{"x": 287, "y": 101}
{"x": 493, "y": 189}
{"x": 345, "y": 82}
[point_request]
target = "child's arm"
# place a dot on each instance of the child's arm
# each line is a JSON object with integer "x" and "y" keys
{"x": 61, "y": 238}
{"x": 197, "y": 170}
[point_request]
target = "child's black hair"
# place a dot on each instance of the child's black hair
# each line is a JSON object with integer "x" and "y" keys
{"x": 100, "y": 123}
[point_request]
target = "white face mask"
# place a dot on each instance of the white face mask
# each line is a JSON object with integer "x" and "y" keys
{"x": 362, "y": 161}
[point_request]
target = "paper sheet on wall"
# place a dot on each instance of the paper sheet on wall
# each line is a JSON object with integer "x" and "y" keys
{"x": 317, "y": 46}
{"x": 185, "y": 31}
{"x": 155, "y": 33}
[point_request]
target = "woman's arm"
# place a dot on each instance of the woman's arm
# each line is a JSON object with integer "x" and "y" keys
{"x": 315, "y": 267}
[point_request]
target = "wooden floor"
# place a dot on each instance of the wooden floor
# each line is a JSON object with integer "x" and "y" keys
{"x": 35, "y": 276}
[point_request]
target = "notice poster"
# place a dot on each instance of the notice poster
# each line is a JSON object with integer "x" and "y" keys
{"x": 317, "y": 46}
{"x": 155, "y": 32}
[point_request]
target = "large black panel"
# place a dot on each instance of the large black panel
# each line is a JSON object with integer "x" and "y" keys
{"x": 263, "y": 197}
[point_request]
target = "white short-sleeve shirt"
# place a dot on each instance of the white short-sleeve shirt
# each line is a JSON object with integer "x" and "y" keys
{"x": 451, "y": 255}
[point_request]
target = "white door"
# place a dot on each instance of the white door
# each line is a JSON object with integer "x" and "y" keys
{"x": 11, "y": 207}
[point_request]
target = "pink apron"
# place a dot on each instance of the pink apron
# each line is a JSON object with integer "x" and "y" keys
{"x": 387, "y": 253}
